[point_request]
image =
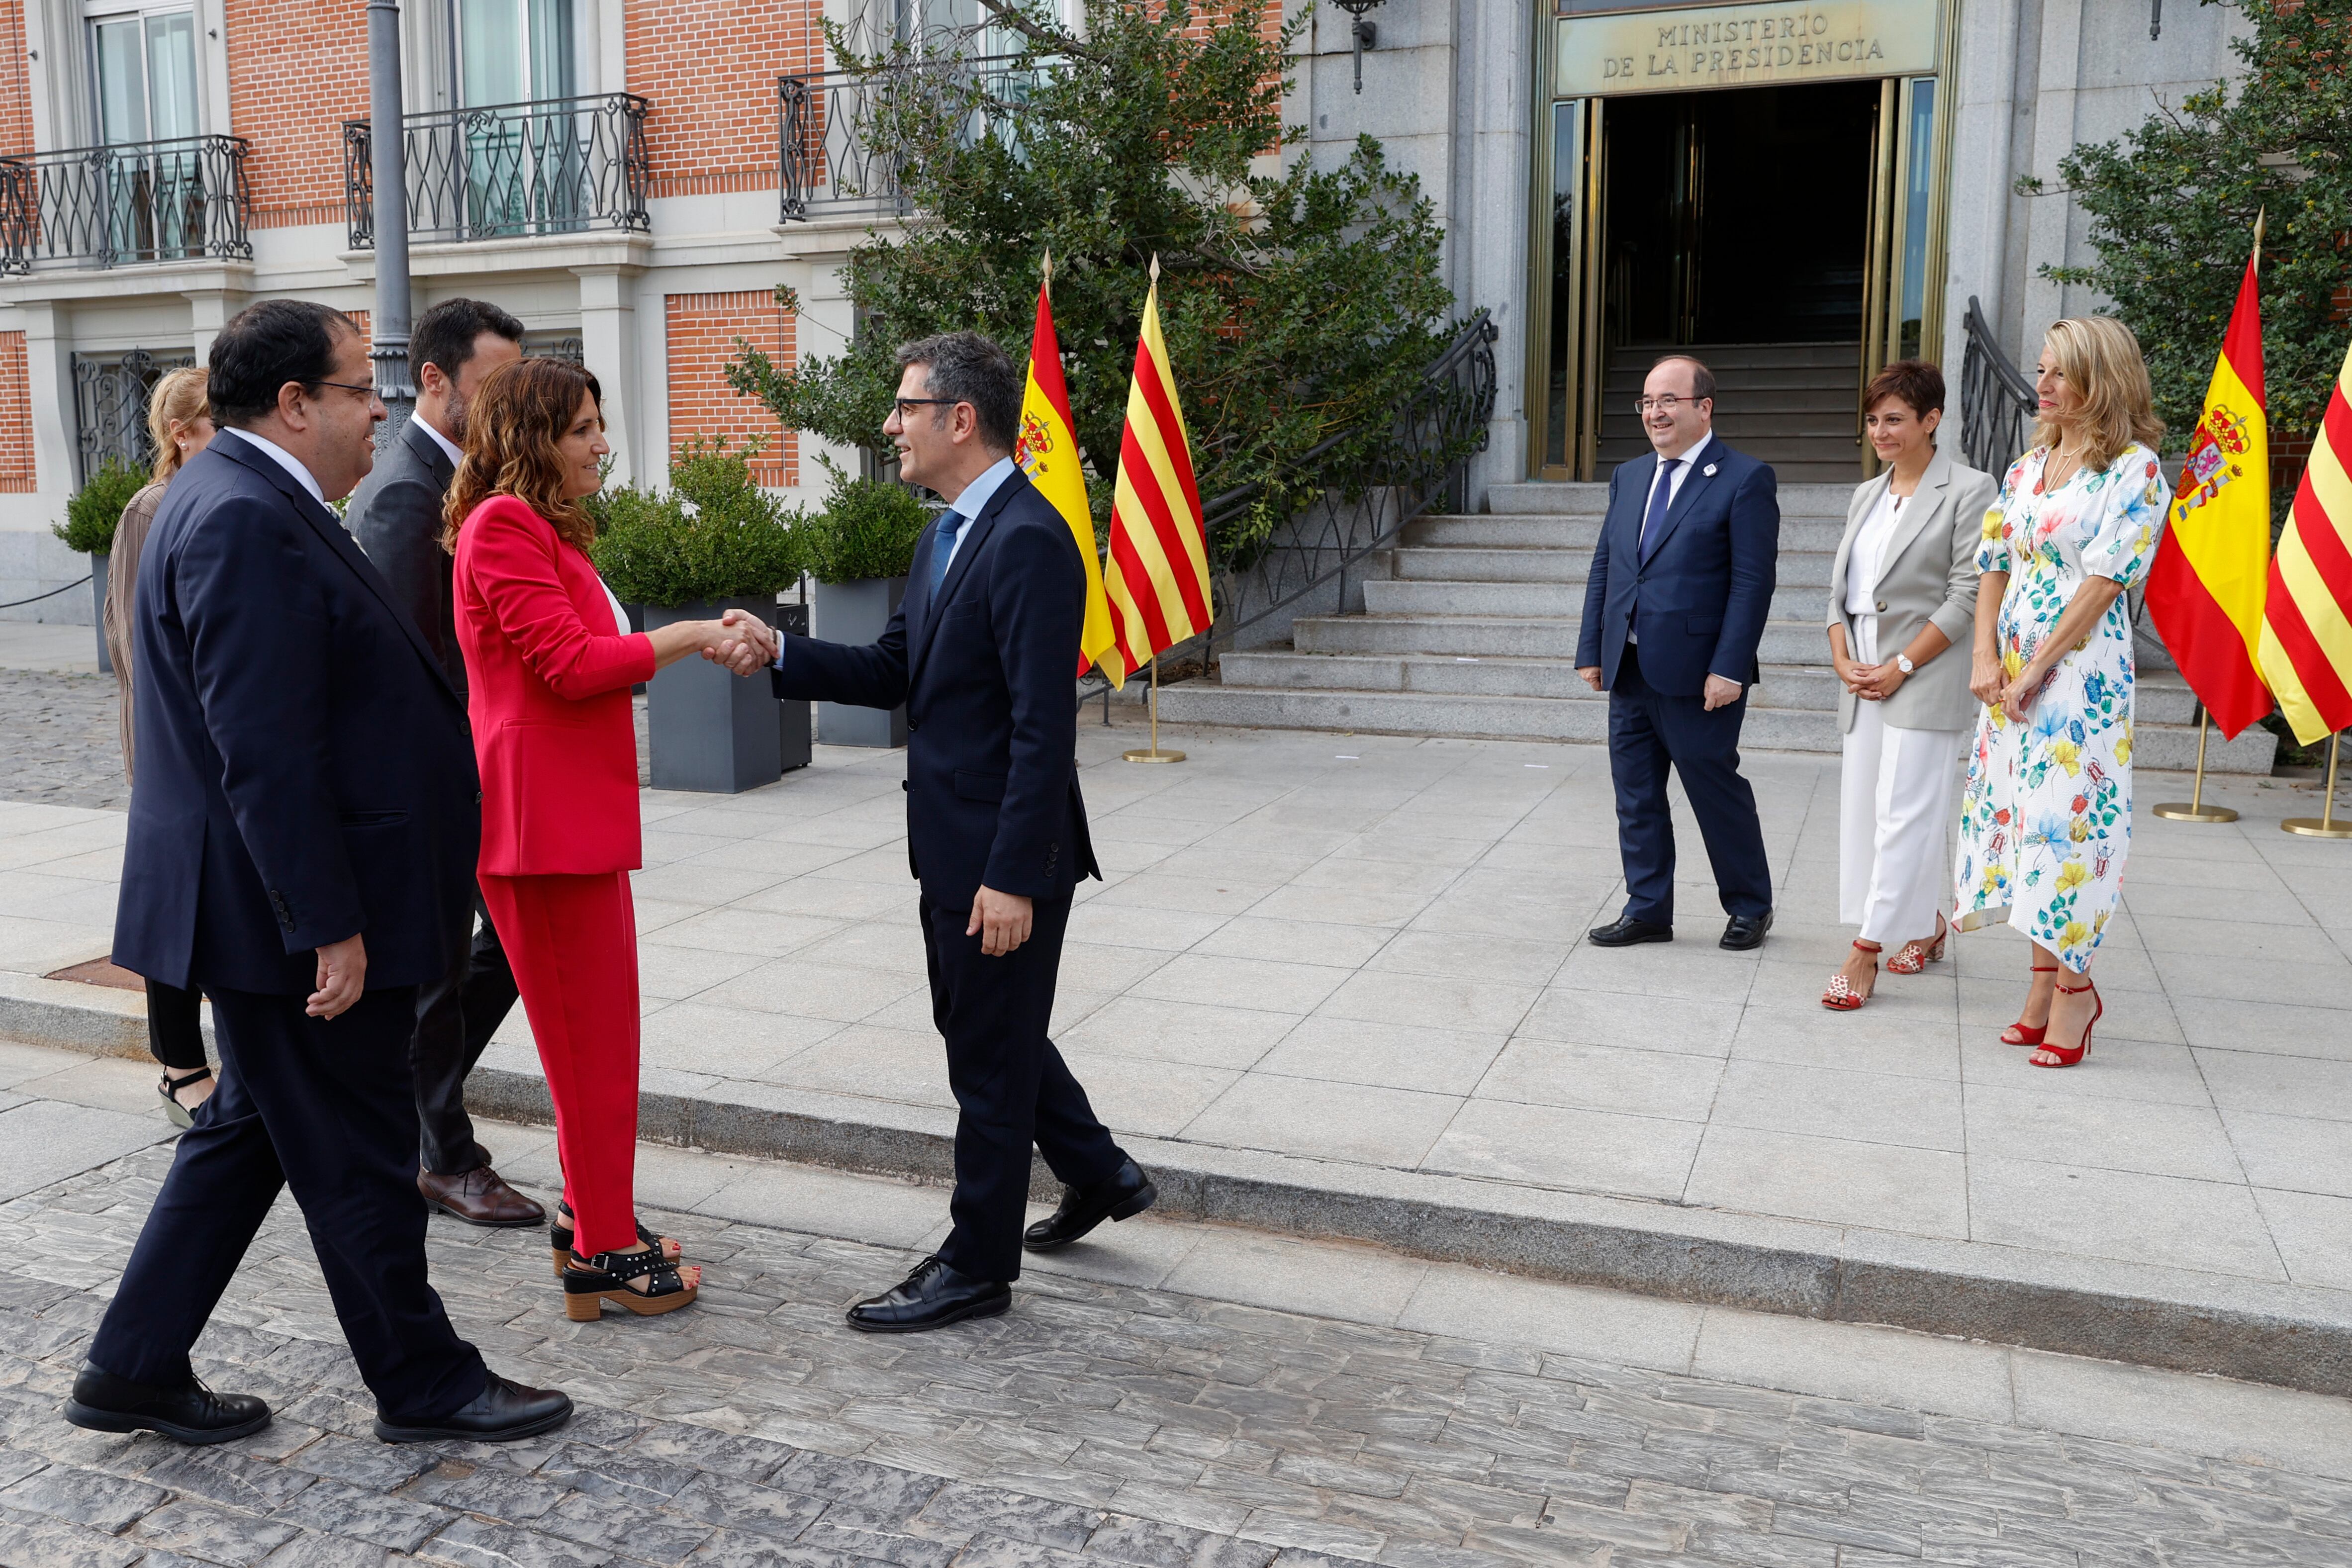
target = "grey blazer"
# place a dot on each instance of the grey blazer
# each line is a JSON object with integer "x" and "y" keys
{"x": 395, "y": 516}
{"x": 1928, "y": 576}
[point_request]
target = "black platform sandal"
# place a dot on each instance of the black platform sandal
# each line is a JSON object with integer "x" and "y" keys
{"x": 589, "y": 1283}
{"x": 165, "y": 1087}
{"x": 561, "y": 1236}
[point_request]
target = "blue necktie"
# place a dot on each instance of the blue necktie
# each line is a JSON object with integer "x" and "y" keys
{"x": 1661, "y": 495}
{"x": 942, "y": 548}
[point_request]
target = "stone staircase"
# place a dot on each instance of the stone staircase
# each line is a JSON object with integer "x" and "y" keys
{"x": 1470, "y": 628}
{"x": 1788, "y": 404}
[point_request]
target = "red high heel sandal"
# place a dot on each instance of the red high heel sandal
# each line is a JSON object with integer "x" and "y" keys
{"x": 2068, "y": 1058}
{"x": 1917, "y": 956}
{"x": 2024, "y": 1033}
{"x": 1841, "y": 996}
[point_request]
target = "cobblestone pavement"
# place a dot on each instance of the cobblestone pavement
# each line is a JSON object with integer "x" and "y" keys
{"x": 1098, "y": 1425}
{"x": 63, "y": 747}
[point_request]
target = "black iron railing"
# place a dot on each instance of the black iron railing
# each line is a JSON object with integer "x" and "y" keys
{"x": 111, "y": 393}
{"x": 1996, "y": 402}
{"x": 183, "y": 199}
{"x": 559, "y": 165}
{"x": 839, "y": 132}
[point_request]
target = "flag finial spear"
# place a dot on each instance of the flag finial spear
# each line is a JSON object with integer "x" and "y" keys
{"x": 1155, "y": 266}
{"x": 1049, "y": 271}
{"x": 2262, "y": 214}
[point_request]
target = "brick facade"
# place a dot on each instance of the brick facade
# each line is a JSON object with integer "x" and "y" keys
{"x": 15, "y": 81}
{"x": 16, "y": 417}
{"x": 297, "y": 70}
{"x": 702, "y": 330}
{"x": 711, "y": 69}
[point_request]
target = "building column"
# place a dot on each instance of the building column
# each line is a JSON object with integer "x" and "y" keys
{"x": 2049, "y": 220}
{"x": 608, "y": 342}
{"x": 48, "y": 362}
{"x": 1491, "y": 217}
{"x": 209, "y": 310}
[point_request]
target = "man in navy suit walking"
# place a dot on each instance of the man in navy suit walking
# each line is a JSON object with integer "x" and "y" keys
{"x": 982, "y": 653}
{"x": 1681, "y": 587}
{"x": 300, "y": 848}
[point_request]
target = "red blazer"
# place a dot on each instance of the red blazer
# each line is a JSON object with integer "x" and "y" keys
{"x": 549, "y": 674}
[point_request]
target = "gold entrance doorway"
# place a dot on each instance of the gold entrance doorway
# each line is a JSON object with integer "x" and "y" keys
{"x": 1763, "y": 187}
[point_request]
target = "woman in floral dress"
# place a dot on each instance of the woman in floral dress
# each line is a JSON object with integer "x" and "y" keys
{"x": 2045, "y": 823}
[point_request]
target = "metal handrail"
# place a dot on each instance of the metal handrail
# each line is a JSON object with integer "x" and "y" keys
{"x": 826, "y": 154}
{"x": 183, "y": 198}
{"x": 1997, "y": 405}
{"x": 553, "y": 165}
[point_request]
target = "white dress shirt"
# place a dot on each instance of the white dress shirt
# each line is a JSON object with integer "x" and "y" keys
{"x": 1866, "y": 563}
{"x": 973, "y": 500}
{"x": 285, "y": 460}
{"x": 457, "y": 453}
{"x": 1672, "y": 478}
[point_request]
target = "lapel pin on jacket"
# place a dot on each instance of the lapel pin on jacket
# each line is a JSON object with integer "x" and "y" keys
{"x": 1707, "y": 472}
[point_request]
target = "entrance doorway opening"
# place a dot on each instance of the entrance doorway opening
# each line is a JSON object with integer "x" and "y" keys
{"x": 1782, "y": 234}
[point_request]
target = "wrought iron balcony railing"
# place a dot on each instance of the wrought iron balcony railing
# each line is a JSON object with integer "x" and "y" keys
{"x": 834, "y": 129}
{"x": 183, "y": 199}
{"x": 1996, "y": 402}
{"x": 557, "y": 165}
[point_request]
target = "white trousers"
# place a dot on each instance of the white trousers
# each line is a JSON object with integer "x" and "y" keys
{"x": 1894, "y": 808}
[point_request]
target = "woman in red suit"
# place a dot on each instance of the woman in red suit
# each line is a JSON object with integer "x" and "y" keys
{"x": 550, "y": 661}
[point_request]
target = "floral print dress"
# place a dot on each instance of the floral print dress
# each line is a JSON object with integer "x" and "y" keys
{"x": 2045, "y": 822}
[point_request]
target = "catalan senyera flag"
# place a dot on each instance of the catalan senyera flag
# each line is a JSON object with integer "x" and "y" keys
{"x": 1048, "y": 451}
{"x": 2206, "y": 589}
{"x": 1157, "y": 579}
{"x": 2306, "y": 648}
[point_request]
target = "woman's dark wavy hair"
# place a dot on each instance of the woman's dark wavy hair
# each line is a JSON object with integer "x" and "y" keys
{"x": 520, "y": 412}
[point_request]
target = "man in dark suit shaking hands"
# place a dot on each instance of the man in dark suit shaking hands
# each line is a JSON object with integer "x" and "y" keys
{"x": 395, "y": 514}
{"x": 1681, "y": 587}
{"x": 981, "y": 652}
{"x": 301, "y": 843}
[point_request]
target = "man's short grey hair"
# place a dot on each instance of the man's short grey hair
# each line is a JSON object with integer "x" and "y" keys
{"x": 968, "y": 368}
{"x": 1702, "y": 379}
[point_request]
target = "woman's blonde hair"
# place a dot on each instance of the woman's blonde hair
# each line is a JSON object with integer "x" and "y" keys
{"x": 180, "y": 396}
{"x": 2101, "y": 361}
{"x": 511, "y": 430}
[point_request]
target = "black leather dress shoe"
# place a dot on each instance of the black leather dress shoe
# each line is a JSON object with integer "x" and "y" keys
{"x": 1626, "y": 931}
{"x": 1124, "y": 1194}
{"x": 1746, "y": 932}
{"x": 933, "y": 1296}
{"x": 191, "y": 1412}
{"x": 501, "y": 1413}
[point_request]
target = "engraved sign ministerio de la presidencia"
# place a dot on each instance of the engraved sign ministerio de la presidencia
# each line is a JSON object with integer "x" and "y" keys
{"x": 1744, "y": 46}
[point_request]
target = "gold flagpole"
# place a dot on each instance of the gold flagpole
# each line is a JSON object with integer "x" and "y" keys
{"x": 2324, "y": 825}
{"x": 1153, "y": 753}
{"x": 2196, "y": 811}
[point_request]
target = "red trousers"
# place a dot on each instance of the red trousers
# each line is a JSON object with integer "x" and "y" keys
{"x": 572, "y": 941}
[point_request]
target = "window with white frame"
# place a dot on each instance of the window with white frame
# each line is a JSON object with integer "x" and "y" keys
{"x": 515, "y": 51}
{"x": 143, "y": 64}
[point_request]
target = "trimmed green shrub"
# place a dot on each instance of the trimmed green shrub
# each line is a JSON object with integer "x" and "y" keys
{"x": 713, "y": 535}
{"x": 95, "y": 508}
{"x": 867, "y": 529}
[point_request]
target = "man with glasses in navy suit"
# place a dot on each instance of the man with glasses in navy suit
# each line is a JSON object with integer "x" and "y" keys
{"x": 1674, "y": 611}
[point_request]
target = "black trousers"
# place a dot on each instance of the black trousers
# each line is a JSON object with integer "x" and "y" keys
{"x": 176, "y": 1028}
{"x": 326, "y": 1107}
{"x": 1649, "y": 732}
{"x": 455, "y": 1017}
{"x": 1011, "y": 1087}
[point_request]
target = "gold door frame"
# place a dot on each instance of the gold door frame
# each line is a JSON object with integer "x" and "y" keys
{"x": 1884, "y": 285}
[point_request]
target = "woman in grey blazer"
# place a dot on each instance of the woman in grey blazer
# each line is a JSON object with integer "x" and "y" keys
{"x": 1903, "y": 590}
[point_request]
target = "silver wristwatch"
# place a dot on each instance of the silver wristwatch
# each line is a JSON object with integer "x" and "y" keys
{"x": 1904, "y": 664}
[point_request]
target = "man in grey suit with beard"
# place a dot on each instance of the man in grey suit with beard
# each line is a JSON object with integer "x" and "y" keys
{"x": 395, "y": 514}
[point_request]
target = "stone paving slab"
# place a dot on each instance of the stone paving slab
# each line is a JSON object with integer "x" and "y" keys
{"x": 1331, "y": 977}
{"x": 1110, "y": 1424}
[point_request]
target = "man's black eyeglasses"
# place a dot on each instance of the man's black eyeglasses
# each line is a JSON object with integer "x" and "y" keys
{"x": 909, "y": 404}
{"x": 347, "y": 386}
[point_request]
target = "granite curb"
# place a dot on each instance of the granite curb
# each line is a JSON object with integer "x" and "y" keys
{"x": 2291, "y": 1336}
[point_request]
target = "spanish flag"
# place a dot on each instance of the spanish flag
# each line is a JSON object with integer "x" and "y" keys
{"x": 1158, "y": 576}
{"x": 2306, "y": 646}
{"x": 2206, "y": 589}
{"x": 1048, "y": 451}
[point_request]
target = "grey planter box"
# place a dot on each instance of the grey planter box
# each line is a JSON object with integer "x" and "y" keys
{"x": 98, "y": 568}
{"x": 857, "y": 612}
{"x": 712, "y": 731}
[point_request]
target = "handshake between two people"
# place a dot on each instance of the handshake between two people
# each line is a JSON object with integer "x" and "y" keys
{"x": 739, "y": 640}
